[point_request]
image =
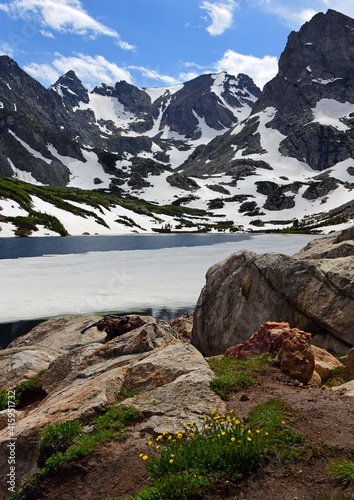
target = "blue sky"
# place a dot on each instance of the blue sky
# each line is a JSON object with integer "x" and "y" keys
{"x": 152, "y": 43}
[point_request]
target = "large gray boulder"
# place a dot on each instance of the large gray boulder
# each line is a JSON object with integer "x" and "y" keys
{"x": 312, "y": 290}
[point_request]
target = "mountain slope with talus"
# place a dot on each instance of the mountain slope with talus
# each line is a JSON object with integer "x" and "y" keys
{"x": 221, "y": 154}
{"x": 116, "y": 139}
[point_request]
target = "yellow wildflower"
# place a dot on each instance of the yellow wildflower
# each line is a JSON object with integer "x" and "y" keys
{"x": 159, "y": 437}
{"x": 283, "y": 422}
{"x": 179, "y": 435}
{"x": 223, "y": 433}
{"x": 249, "y": 439}
{"x": 144, "y": 457}
{"x": 233, "y": 439}
{"x": 249, "y": 431}
{"x": 171, "y": 461}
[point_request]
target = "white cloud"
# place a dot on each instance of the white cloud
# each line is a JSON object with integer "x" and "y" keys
{"x": 47, "y": 34}
{"x": 65, "y": 16}
{"x": 6, "y": 49}
{"x": 344, "y": 6}
{"x": 301, "y": 17}
{"x": 190, "y": 64}
{"x": 152, "y": 74}
{"x": 261, "y": 70}
{"x": 186, "y": 77}
{"x": 221, "y": 15}
{"x": 91, "y": 70}
{"x": 295, "y": 14}
{"x": 45, "y": 73}
{"x": 292, "y": 14}
{"x": 126, "y": 46}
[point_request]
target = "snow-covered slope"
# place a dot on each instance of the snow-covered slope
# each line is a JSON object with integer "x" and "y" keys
{"x": 221, "y": 154}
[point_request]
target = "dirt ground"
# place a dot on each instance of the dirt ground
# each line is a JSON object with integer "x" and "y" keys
{"x": 324, "y": 417}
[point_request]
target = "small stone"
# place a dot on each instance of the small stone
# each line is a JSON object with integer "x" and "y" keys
{"x": 244, "y": 397}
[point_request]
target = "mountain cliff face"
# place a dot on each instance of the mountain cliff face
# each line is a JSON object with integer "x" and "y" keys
{"x": 301, "y": 124}
{"x": 316, "y": 67}
{"x": 43, "y": 129}
{"x": 310, "y": 99}
{"x": 216, "y": 143}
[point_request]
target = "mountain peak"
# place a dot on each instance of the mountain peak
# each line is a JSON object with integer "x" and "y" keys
{"x": 71, "y": 89}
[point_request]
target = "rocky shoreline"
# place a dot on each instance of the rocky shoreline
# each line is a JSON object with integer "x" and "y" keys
{"x": 84, "y": 364}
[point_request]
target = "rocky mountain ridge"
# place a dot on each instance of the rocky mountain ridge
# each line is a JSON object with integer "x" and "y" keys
{"x": 274, "y": 159}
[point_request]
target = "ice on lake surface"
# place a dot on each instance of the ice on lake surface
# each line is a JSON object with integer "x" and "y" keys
{"x": 120, "y": 281}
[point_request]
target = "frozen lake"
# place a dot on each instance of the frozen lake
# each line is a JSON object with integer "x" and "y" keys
{"x": 121, "y": 280}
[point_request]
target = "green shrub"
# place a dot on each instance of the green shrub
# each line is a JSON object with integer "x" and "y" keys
{"x": 57, "y": 439}
{"x": 23, "y": 391}
{"x": 27, "y": 388}
{"x": 184, "y": 464}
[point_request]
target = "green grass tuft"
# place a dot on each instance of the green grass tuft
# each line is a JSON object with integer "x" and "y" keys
{"x": 343, "y": 470}
{"x": 234, "y": 374}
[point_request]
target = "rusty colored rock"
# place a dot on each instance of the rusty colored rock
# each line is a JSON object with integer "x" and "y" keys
{"x": 267, "y": 340}
{"x": 296, "y": 357}
{"x": 291, "y": 348}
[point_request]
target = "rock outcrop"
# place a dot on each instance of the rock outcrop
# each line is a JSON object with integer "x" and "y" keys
{"x": 289, "y": 346}
{"x": 88, "y": 373}
{"x": 312, "y": 290}
{"x": 291, "y": 349}
{"x": 62, "y": 331}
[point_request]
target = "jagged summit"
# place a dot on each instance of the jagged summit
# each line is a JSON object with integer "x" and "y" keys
{"x": 71, "y": 89}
